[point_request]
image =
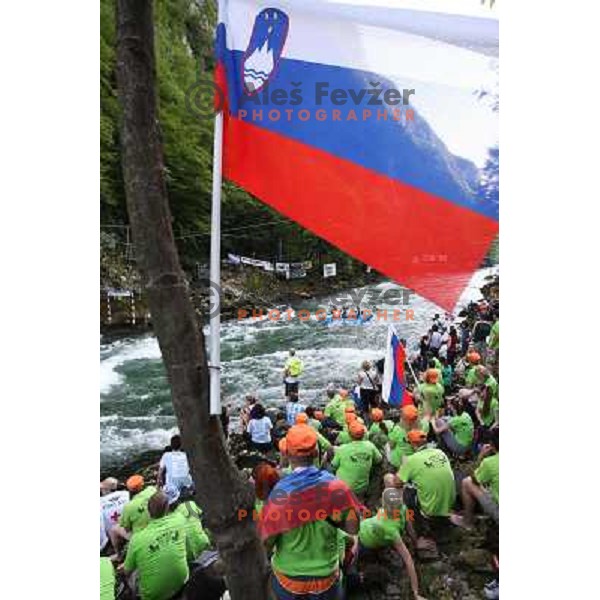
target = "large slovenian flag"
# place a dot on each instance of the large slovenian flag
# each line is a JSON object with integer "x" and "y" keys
{"x": 406, "y": 181}
{"x": 393, "y": 389}
{"x": 303, "y": 497}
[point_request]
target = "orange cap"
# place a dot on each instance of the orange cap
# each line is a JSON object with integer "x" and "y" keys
{"x": 301, "y": 440}
{"x": 473, "y": 357}
{"x": 301, "y": 418}
{"x": 350, "y": 408}
{"x": 431, "y": 375}
{"x": 135, "y": 483}
{"x": 350, "y": 417}
{"x": 377, "y": 414}
{"x": 356, "y": 429}
{"x": 410, "y": 412}
{"x": 319, "y": 415}
{"x": 416, "y": 436}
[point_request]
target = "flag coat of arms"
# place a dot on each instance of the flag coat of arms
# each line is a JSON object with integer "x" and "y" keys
{"x": 373, "y": 126}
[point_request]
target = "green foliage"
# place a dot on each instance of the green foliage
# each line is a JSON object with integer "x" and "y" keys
{"x": 184, "y": 53}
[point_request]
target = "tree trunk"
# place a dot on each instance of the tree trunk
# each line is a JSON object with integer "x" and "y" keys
{"x": 220, "y": 489}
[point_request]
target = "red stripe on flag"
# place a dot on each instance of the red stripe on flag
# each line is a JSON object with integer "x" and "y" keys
{"x": 420, "y": 240}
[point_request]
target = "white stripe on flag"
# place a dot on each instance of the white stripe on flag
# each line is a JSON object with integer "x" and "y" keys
{"x": 389, "y": 367}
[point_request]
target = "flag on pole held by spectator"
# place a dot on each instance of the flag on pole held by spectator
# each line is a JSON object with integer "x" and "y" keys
{"x": 375, "y": 127}
{"x": 393, "y": 390}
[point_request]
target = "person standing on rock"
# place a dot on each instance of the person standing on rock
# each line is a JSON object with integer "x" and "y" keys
{"x": 293, "y": 408}
{"x": 369, "y": 382}
{"x": 292, "y": 370}
{"x": 246, "y": 412}
{"x": 259, "y": 429}
{"x": 435, "y": 340}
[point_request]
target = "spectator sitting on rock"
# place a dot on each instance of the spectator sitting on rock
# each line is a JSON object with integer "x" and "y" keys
{"x": 135, "y": 513}
{"x": 428, "y": 484}
{"x": 483, "y": 486}
{"x": 354, "y": 461}
{"x": 182, "y": 503}
{"x": 174, "y": 470}
{"x": 385, "y": 530}
{"x": 157, "y": 560}
{"x": 456, "y": 432}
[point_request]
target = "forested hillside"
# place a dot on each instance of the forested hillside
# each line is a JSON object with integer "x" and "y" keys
{"x": 184, "y": 47}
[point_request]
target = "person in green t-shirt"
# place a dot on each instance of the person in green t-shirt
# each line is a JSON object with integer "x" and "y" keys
{"x": 429, "y": 471}
{"x": 455, "y": 433}
{"x": 183, "y": 504}
{"x": 398, "y": 443}
{"x": 435, "y": 363}
{"x": 473, "y": 359}
{"x": 485, "y": 383}
{"x": 135, "y": 513}
{"x": 307, "y": 557}
{"x": 107, "y": 579}
{"x": 350, "y": 416}
{"x": 494, "y": 346}
{"x": 334, "y": 409}
{"x": 158, "y": 553}
{"x": 324, "y": 444}
{"x": 447, "y": 374}
{"x": 385, "y": 530}
{"x": 488, "y": 411}
{"x": 353, "y": 462}
{"x": 312, "y": 420}
{"x": 483, "y": 486}
{"x": 379, "y": 430}
{"x": 431, "y": 393}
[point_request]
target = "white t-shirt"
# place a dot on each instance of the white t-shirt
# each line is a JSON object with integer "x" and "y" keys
{"x": 365, "y": 382}
{"x": 111, "y": 508}
{"x": 103, "y": 536}
{"x": 178, "y": 469}
{"x": 260, "y": 430}
{"x": 292, "y": 410}
{"x": 436, "y": 340}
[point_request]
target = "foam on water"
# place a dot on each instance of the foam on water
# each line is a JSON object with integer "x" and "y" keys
{"x": 136, "y": 411}
{"x": 118, "y": 353}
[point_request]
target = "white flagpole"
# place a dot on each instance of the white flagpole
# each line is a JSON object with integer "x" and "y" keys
{"x": 215, "y": 263}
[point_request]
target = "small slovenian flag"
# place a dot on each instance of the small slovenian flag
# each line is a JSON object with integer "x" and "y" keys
{"x": 394, "y": 377}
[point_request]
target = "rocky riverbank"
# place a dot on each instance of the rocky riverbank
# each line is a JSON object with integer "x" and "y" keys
{"x": 242, "y": 288}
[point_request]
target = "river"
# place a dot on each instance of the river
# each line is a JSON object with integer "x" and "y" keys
{"x": 136, "y": 413}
